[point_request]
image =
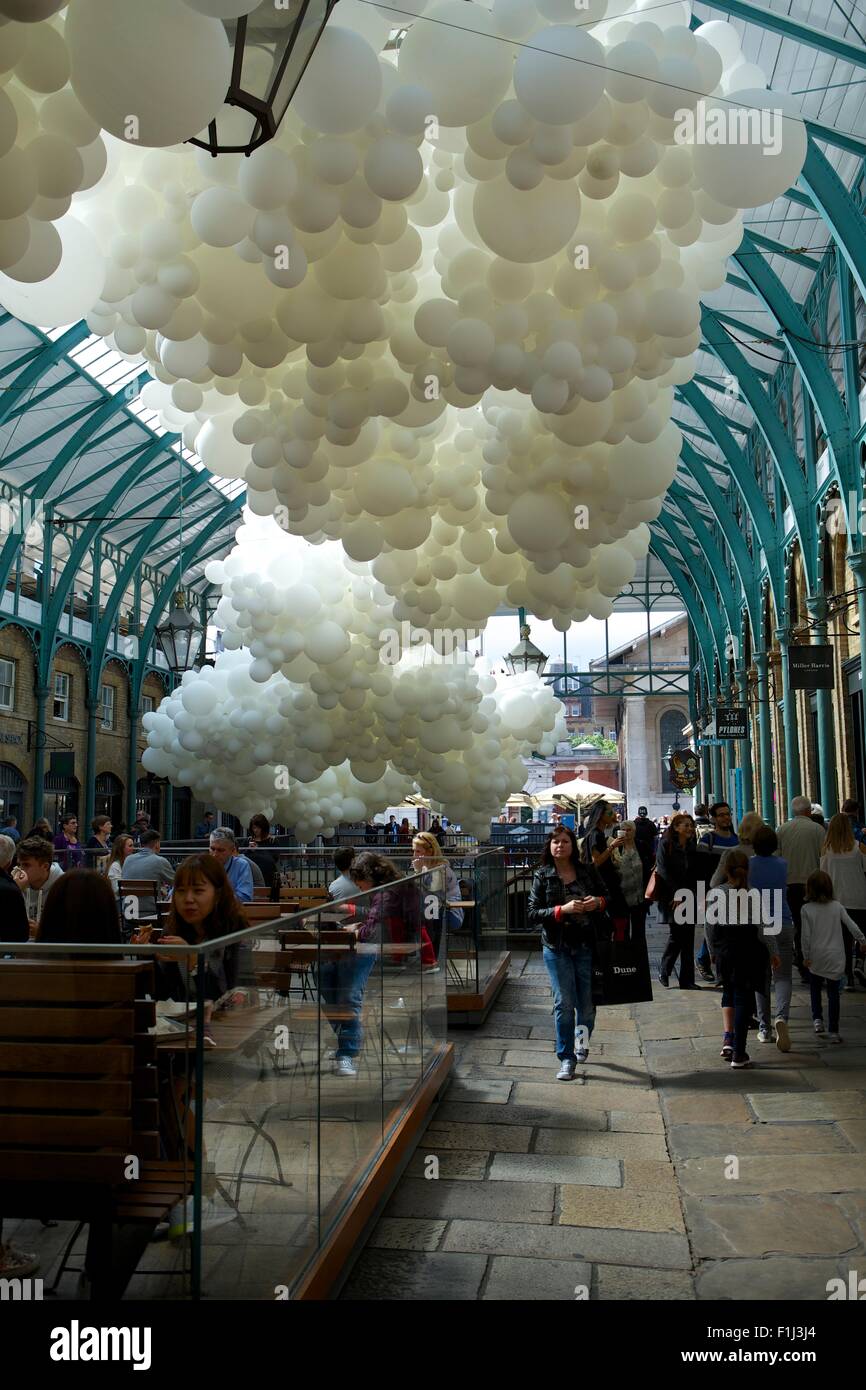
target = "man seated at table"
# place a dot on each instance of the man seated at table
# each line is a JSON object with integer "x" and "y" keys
{"x": 35, "y": 873}
{"x": 147, "y": 863}
{"x": 224, "y": 848}
{"x": 344, "y": 885}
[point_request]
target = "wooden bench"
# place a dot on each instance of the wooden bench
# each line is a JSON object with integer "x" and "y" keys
{"x": 79, "y": 1100}
{"x": 304, "y": 897}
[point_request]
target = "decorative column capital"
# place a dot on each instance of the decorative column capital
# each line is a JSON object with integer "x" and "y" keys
{"x": 817, "y": 608}
{"x": 856, "y": 563}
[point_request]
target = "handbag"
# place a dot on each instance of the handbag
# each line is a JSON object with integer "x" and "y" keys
{"x": 625, "y": 974}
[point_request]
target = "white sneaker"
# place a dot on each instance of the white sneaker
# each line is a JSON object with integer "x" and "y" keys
{"x": 783, "y": 1037}
{"x": 344, "y": 1066}
{"x": 818, "y": 1025}
{"x": 583, "y": 1054}
{"x": 180, "y": 1221}
{"x": 833, "y": 1038}
{"x": 764, "y": 1035}
{"x": 566, "y": 1071}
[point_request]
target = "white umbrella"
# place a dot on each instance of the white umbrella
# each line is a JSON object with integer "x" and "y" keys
{"x": 578, "y": 789}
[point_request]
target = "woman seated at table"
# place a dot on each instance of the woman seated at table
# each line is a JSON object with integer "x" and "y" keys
{"x": 263, "y": 852}
{"x": 80, "y": 908}
{"x": 122, "y": 847}
{"x": 440, "y": 882}
{"x": 203, "y": 908}
{"x": 396, "y": 915}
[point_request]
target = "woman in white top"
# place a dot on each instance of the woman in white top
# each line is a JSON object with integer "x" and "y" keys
{"x": 121, "y": 849}
{"x": 824, "y": 922}
{"x": 845, "y": 862}
{"x": 441, "y": 881}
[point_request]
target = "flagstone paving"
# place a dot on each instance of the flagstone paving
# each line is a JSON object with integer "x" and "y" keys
{"x": 658, "y": 1173}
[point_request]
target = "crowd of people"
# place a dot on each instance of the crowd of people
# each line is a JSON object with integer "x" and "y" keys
{"x": 765, "y": 901}
{"x": 47, "y": 895}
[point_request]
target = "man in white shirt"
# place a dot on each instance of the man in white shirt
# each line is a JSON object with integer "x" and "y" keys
{"x": 800, "y": 843}
{"x": 35, "y": 872}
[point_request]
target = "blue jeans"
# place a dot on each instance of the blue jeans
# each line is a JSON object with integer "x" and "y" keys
{"x": 341, "y": 986}
{"x": 570, "y": 971}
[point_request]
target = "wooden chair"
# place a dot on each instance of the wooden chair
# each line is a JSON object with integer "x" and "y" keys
{"x": 262, "y": 895}
{"x": 79, "y": 1099}
{"x": 130, "y": 891}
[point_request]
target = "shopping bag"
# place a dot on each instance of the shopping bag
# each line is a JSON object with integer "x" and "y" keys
{"x": 625, "y": 973}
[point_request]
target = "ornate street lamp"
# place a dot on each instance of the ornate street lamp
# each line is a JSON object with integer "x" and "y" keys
{"x": 525, "y": 656}
{"x": 272, "y": 47}
{"x": 180, "y": 637}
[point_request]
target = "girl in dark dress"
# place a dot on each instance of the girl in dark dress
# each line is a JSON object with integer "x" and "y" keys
{"x": 677, "y": 869}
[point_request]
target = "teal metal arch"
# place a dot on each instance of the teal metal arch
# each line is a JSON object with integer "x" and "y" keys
{"x": 743, "y": 562}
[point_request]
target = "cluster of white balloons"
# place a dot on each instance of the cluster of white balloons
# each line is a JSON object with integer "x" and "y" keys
{"x": 441, "y": 317}
{"x": 316, "y": 715}
{"x": 50, "y": 150}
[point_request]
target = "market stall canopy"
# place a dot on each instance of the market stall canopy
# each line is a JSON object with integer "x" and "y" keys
{"x": 578, "y": 789}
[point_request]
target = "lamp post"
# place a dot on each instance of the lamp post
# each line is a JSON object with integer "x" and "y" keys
{"x": 676, "y": 805}
{"x": 272, "y": 47}
{"x": 180, "y": 637}
{"x": 525, "y": 656}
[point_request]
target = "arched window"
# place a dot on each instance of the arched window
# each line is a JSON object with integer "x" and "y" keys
{"x": 671, "y": 726}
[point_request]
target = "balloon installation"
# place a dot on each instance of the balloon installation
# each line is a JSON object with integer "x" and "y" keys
{"x": 436, "y": 326}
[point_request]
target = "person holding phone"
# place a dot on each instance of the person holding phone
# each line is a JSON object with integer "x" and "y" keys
{"x": 601, "y": 839}
{"x": 567, "y": 900}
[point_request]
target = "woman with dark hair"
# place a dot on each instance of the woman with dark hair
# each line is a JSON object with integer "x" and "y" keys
{"x": 596, "y": 849}
{"x": 567, "y": 900}
{"x": 262, "y": 852}
{"x": 80, "y": 909}
{"x": 676, "y": 877}
{"x": 99, "y": 844}
{"x": 67, "y": 843}
{"x": 203, "y": 908}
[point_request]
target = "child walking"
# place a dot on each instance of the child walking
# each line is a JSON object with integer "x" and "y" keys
{"x": 824, "y": 949}
{"x": 741, "y": 955}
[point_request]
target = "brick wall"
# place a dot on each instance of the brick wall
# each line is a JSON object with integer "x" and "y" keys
{"x": 112, "y": 745}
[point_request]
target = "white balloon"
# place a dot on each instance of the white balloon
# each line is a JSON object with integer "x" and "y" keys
{"x": 560, "y": 75}
{"x": 340, "y": 88}
{"x": 66, "y": 295}
{"x": 460, "y": 59}
{"x": 116, "y": 47}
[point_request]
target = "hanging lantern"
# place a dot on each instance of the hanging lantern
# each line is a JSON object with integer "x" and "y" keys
{"x": 180, "y": 637}
{"x": 525, "y": 656}
{"x": 272, "y": 47}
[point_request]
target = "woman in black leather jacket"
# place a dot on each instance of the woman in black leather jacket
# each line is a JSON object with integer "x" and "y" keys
{"x": 567, "y": 901}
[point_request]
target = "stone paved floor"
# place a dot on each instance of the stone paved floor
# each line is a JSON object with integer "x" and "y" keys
{"x": 659, "y": 1174}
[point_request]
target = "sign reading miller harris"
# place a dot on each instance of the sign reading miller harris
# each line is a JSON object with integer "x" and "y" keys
{"x": 810, "y": 668}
